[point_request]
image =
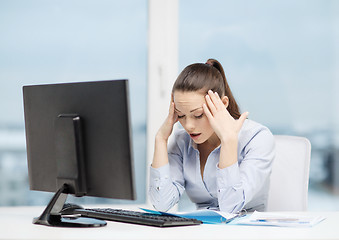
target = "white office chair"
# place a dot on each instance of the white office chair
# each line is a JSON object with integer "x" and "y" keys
{"x": 290, "y": 173}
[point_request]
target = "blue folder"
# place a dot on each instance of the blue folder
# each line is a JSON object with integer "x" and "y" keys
{"x": 206, "y": 216}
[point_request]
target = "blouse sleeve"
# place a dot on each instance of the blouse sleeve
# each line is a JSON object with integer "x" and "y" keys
{"x": 167, "y": 182}
{"x": 240, "y": 182}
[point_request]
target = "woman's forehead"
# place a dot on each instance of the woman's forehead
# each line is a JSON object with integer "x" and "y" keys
{"x": 188, "y": 101}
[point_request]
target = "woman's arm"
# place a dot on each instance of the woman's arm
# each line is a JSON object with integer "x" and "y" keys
{"x": 236, "y": 184}
{"x": 239, "y": 183}
{"x": 164, "y": 191}
{"x": 160, "y": 157}
{"x": 167, "y": 182}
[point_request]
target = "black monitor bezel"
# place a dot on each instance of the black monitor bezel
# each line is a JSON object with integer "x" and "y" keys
{"x": 104, "y": 109}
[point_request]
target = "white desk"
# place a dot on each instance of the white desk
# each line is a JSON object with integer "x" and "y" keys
{"x": 16, "y": 223}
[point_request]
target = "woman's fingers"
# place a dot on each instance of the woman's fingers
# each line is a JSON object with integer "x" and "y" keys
{"x": 218, "y": 115}
{"x": 216, "y": 105}
{"x": 212, "y": 101}
{"x": 172, "y": 115}
{"x": 207, "y": 111}
{"x": 166, "y": 128}
{"x": 171, "y": 108}
{"x": 210, "y": 104}
{"x": 242, "y": 119}
{"x": 216, "y": 100}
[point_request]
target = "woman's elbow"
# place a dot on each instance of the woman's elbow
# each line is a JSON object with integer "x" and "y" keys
{"x": 162, "y": 201}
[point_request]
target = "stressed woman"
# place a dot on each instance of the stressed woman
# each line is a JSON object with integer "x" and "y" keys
{"x": 220, "y": 158}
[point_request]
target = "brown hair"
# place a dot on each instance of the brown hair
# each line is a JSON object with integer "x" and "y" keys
{"x": 208, "y": 76}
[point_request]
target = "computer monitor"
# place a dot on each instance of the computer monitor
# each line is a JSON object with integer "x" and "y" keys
{"x": 78, "y": 138}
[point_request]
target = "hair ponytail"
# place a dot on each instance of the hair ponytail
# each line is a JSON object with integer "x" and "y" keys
{"x": 232, "y": 106}
{"x": 209, "y": 76}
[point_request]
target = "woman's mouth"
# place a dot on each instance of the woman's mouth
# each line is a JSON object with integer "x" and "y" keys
{"x": 195, "y": 135}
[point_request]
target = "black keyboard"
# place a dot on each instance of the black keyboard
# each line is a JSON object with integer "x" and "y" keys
{"x": 135, "y": 217}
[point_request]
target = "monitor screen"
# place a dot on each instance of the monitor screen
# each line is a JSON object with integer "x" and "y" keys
{"x": 79, "y": 134}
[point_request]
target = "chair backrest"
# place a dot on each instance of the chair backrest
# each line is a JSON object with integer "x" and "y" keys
{"x": 290, "y": 173}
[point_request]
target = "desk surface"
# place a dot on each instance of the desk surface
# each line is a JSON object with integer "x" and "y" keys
{"x": 16, "y": 223}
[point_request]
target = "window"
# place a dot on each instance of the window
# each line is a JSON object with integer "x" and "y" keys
{"x": 67, "y": 41}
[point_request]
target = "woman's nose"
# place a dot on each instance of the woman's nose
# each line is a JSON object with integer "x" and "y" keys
{"x": 189, "y": 124}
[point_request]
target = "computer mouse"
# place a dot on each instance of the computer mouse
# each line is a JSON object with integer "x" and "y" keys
{"x": 69, "y": 208}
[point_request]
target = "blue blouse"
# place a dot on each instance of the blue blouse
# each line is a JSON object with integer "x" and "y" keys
{"x": 241, "y": 185}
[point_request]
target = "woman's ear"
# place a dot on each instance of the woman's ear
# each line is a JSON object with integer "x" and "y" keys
{"x": 225, "y": 101}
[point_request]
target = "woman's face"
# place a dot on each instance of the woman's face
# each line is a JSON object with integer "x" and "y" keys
{"x": 188, "y": 107}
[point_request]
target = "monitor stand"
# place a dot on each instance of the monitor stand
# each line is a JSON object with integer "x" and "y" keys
{"x": 52, "y": 217}
{"x": 70, "y": 174}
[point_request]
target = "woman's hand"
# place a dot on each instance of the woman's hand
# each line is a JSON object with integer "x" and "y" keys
{"x": 166, "y": 129}
{"x": 224, "y": 125}
{"x": 160, "y": 157}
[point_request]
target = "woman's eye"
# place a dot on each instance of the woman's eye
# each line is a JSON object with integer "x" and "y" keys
{"x": 181, "y": 116}
{"x": 200, "y": 116}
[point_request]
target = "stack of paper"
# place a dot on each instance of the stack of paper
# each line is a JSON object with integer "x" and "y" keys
{"x": 280, "y": 220}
